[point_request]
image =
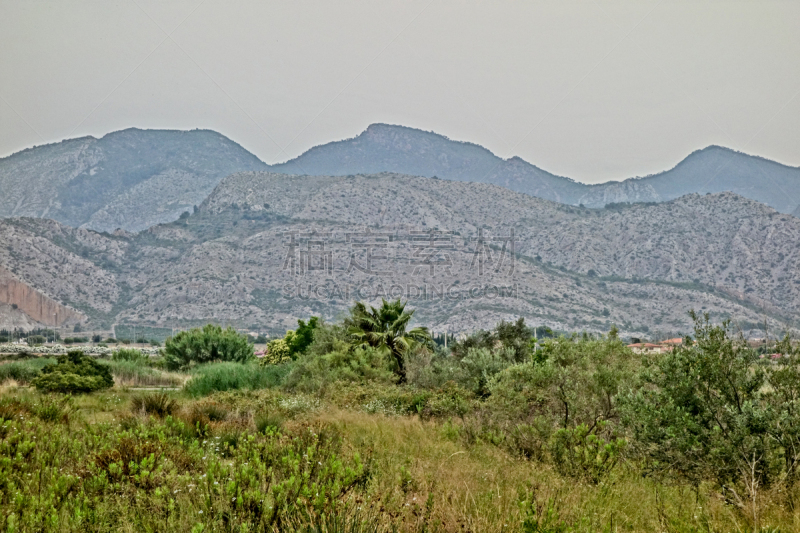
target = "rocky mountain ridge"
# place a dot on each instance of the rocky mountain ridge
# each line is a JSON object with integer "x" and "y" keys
{"x": 266, "y": 248}
{"x": 389, "y": 148}
{"x": 134, "y": 179}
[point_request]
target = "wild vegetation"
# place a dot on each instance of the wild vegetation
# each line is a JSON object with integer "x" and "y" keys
{"x": 367, "y": 425}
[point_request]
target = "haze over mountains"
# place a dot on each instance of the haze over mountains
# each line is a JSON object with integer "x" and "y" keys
{"x": 133, "y": 179}
{"x": 265, "y": 248}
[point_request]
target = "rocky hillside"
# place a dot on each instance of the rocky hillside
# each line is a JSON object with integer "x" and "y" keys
{"x": 134, "y": 179}
{"x": 405, "y": 150}
{"x": 130, "y": 179}
{"x": 265, "y": 248}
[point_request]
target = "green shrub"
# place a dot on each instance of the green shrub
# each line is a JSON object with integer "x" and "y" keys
{"x": 74, "y": 373}
{"x": 234, "y": 376}
{"x": 481, "y": 365}
{"x": 701, "y": 412}
{"x": 585, "y": 453}
{"x": 278, "y": 352}
{"x": 158, "y": 404}
{"x": 345, "y": 363}
{"x": 211, "y": 343}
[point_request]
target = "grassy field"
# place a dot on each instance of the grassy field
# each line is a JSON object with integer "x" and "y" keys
{"x": 242, "y": 460}
{"x": 480, "y": 439}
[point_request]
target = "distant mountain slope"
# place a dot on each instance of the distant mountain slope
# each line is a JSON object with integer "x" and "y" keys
{"x": 134, "y": 179}
{"x": 130, "y": 179}
{"x": 711, "y": 170}
{"x": 386, "y": 148}
{"x": 265, "y": 249}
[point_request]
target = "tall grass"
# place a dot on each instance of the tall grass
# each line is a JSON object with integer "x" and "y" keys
{"x": 137, "y": 374}
{"x": 235, "y": 376}
{"x": 23, "y": 371}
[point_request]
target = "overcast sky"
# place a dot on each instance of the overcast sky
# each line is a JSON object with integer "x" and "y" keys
{"x": 594, "y": 90}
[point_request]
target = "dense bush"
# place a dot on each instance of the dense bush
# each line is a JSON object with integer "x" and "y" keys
{"x": 74, "y": 373}
{"x": 513, "y": 336}
{"x": 211, "y": 343}
{"x": 277, "y": 352}
{"x": 293, "y": 344}
{"x": 713, "y": 410}
{"x": 343, "y": 364}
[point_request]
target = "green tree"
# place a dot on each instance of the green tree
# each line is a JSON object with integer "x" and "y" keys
{"x": 211, "y": 343}
{"x": 386, "y": 328}
{"x": 698, "y": 412}
{"x": 303, "y": 336}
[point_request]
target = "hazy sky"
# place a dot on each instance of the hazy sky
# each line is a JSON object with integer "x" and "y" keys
{"x": 594, "y": 90}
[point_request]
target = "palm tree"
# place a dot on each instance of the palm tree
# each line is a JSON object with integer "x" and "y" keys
{"x": 385, "y": 329}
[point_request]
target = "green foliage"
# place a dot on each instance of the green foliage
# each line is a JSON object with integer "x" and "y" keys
{"x": 293, "y": 344}
{"x": 701, "y": 414}
{"x": 211, "y": 343}
{"x": 278, "y": 352}
{"x": 234, "y": 376}
{"x": 58, "y": 477}
{"x": 481, "y": 365}
{"x": 514, "y": 336}
{"x": 313, "y": 373}
{"x": 303, "y": 336}
{"x": 385, "y": 328}
{"x": 585, "y": 452}
{"x": 559, "y": 402}
{"x": 266, "y": 421}
{"x": 74, "y": 373}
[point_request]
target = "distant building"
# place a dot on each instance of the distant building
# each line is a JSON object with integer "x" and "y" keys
{"x": 660, "y": 347}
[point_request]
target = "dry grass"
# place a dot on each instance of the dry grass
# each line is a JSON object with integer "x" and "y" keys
{"x": 424, "y": 477}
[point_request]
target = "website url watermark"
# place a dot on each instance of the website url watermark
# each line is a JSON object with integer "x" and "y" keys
{"x": 409, "y": 291}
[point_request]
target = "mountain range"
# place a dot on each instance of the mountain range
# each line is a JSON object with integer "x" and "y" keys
{"x": 133, "y": 179}
{"x": 264, "y": 249}
{"x": 130, "y": 179}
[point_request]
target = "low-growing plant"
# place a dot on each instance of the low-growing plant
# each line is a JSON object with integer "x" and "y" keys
{"x": 73, "y": 373}
{"x": 268, "y": 420}
{"x": 158, "y": 404}
{"x": 586, "y": 452}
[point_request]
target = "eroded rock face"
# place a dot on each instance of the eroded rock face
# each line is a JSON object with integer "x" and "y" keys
{"x": 34, "y": 304}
